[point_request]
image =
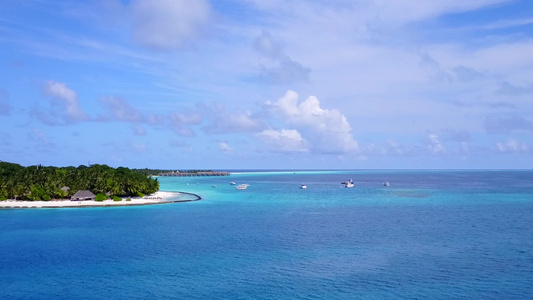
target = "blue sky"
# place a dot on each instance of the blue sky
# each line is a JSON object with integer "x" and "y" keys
{"x": 255, "y": 84}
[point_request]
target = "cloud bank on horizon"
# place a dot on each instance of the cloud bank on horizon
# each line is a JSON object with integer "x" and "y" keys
{"x": 253, "y": 84}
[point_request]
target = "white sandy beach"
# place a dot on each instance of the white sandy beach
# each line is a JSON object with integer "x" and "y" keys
{"x": 156, "y": 198}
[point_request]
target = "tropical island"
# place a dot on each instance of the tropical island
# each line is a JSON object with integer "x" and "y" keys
{"x": 94, "y": 185}
{"x": 36, "y": 183}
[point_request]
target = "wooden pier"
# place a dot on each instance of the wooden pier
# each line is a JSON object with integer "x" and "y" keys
{"x": 195, "y": 174}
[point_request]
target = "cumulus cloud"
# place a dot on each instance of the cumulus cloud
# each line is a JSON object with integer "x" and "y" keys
{"x": 326, "y": 131}
{"x": 168, "y": 24}
{"x": 285, "y": 140}
{"x": 66, "y": 99}
{"x": 433, "y": 144}
{"x": 512, "y": 146}
{"x": 224, "y": 147}
{"x": 285, "y": 69}
{"x": 5, "y": 107}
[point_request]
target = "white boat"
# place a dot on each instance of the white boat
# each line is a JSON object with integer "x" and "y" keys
{"x": 386, "y": 183}
{"x": 232, "y": 183}
{"x": 242, "y": 186}
{"x": 303, "y": 186}
{"x": 348, "y": 184}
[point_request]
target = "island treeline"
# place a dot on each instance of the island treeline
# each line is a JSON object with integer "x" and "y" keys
{"x": 45, "y": 183}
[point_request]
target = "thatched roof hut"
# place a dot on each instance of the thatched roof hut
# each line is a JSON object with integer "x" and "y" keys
{"x": 83, "y": 195}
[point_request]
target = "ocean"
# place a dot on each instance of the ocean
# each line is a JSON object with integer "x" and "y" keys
{"x": 429, "y": 235}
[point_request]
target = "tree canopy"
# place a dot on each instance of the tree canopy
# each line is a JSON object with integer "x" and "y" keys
{"x": 44, "y": 183}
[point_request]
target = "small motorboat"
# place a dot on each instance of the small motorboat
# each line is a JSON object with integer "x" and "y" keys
{"x": 232, "y": 183}
{"x": 386, "y": 183}
{"x": 303, "y": 186}
{"x": 348, "y": 183}
{"x": 242, "y": 186}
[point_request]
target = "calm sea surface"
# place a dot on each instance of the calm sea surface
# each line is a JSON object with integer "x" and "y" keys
{"x": 430, "y": 235}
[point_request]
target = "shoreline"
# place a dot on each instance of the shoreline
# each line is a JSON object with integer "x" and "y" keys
{"x": 159, "y": 197}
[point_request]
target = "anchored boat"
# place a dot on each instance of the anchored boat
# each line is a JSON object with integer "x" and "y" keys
{"x": 242, "y": 186}
{"x": 348, "y": 183}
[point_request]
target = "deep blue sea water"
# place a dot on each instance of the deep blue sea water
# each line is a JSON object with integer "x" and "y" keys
{"x": 430, "y": 235}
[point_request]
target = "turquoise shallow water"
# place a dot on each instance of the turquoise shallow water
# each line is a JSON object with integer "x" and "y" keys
{"x": 430, "y": 235}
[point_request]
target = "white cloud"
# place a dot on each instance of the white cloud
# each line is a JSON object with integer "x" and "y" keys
{"x": 285, "y": 140}
{"x": 168, "y": 24}
{"x": 65, "y": 98}
{"x": 366, "y": 67}
{"x": 224, "y": 147}
{"x": 512, "y": 146}
{"x": 434, "y": 145}
{"x": 327, "y": 131}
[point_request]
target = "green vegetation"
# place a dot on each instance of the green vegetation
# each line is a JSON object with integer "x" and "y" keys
{"x": 44, "y": 183}
{"x": 100, "y": 197}
{"x": 150, "y": 172}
